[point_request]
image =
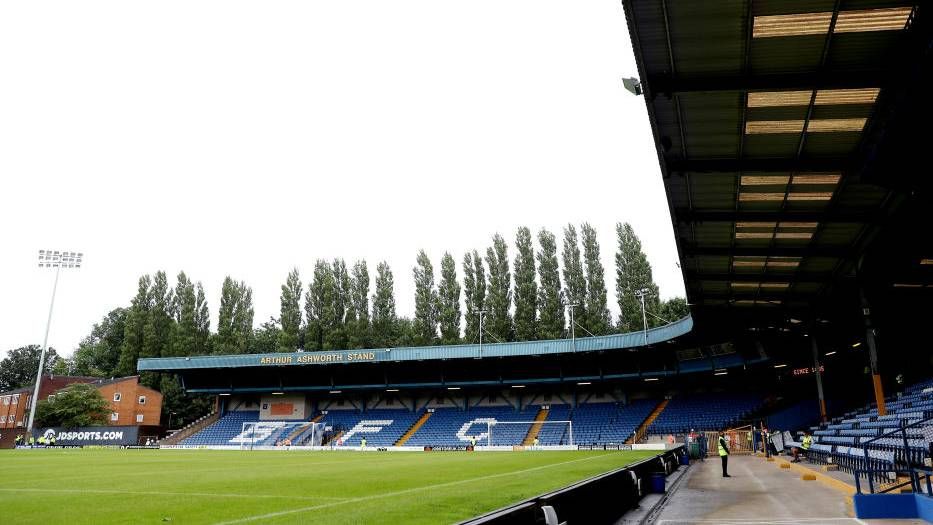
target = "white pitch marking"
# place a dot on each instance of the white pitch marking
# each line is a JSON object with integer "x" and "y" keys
{"x": 401, "y": 492}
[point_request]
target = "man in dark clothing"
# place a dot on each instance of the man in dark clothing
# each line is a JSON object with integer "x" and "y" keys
{"x": 724, "y": 454}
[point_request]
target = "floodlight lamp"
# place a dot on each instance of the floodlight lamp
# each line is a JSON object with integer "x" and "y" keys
{"x": 633, "y": 85}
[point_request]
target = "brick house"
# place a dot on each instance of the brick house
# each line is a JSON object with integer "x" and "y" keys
{"x": 130, "y": 403}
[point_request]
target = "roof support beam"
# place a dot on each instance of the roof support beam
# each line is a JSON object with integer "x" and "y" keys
{"x": 765, "y": 251}
{"x": 666, "y": 84}
{"x": 747, "y": 165}
{"x": 792, "y": 278}
{"x": 684, "y": 216}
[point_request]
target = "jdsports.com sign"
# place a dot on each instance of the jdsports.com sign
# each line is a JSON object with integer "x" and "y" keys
{"x": 71, "y": 437}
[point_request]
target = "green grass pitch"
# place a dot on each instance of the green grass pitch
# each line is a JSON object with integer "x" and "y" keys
{"x": 74, "y": 486}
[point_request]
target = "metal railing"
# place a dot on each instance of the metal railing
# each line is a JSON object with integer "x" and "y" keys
{"x": 911, "y": 469}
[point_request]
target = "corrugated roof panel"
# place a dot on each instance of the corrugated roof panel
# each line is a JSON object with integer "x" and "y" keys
{"x": 714, "y": 191}
{"x": 861, "y": 51}
{"x": 786, "y": 55}
{"x": 831, "y": 144}
{"x": 711, "y": 121}
{"x": 780, "y": 145}
{"x": 709, "y": 38}
{"x": 649, "y": 21}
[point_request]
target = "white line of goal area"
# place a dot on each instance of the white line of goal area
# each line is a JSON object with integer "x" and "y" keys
{"x": 406, "y": 491}
{"x": 495, "y": 423}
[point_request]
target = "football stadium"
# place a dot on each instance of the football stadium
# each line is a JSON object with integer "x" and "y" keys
{"x": 794, "y": 386}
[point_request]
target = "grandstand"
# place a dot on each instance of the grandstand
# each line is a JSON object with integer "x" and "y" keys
{"x": 703, "y": 412}
{"x": 864, "y": 439}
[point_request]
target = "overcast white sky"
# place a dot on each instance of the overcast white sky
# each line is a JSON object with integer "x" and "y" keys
{"x": 245, "y": 138}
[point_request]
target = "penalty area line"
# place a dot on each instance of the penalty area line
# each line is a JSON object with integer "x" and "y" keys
{"x": 401, "y": 492}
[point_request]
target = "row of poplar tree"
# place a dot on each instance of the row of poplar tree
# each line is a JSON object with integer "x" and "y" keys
{"x": 521, "y": 298}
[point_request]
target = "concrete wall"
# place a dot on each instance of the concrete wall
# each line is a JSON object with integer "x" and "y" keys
{"x": 284, "y": 408}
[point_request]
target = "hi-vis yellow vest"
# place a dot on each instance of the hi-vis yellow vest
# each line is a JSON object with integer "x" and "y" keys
{"x": 722, "y": 449}
{"x": 807, "y": 440}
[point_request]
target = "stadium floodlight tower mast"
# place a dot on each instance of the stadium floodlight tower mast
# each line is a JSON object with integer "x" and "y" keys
{"x": 641, "y": 294}
{"x": 57, "y": 260}
{"x": 573, "y": 332}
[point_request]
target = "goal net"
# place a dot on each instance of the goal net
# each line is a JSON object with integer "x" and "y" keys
{"x": 271, "y": 433}
{"x": 505, "y": 433}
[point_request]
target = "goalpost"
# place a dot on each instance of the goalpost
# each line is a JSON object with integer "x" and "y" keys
{"x": 255, "y": 432}
{"x": 566, "y": 423}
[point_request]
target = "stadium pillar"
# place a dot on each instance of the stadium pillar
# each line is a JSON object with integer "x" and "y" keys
{"x": 819, "y": 377}
{"x": 873, "y": 355}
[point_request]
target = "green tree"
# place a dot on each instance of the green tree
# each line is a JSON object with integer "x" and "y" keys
{"x": 184, "y": 336}
{"x": 673, "y": 309}
{"x": 98, "y": 354}
{"x": 384, "y": 318}
{"x": 78, "y": 405}
{"x": 425, "y": 321}
{"x": 406, "y": 334}
{"x": 178, "y": 407}
{"x": 499, "y": 299}
{"x": 319, "y": 308}
{"x": 449, "y": 301}
{"x": 266, "y": 338}
{"x": 574, "y": 278}
{"x": 157, "y": 332}
{"x": 19, "y": 367}
{"x": 134, "y": 332}
{"x": 290, "y": 301}
{"x": 234, "y": 318}
{"x": 633, "y": 273}
{"x": 202, "y": 321}
{"x": 550, "y": 295}
{"x": 526, "y": 288}
{"x": 474, "y": 290}
{"x": 361, "y": 335}
{"x": 598, "y": 320}
{"x": 337, "y": 334}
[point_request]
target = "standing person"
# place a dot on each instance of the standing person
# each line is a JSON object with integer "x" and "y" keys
{"x": 704, "y": 445}
{"x": 363, "y": 444}
{"x": 724, "y": 454}
{"x": 473, "y": 442}
{"x": 536, "y": 443}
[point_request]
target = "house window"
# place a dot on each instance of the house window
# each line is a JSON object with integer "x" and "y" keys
{"x": 2, "y": 420}
{"x": 114, "y": 416}
{"x": 142, "y": 400}
{"x": 16, "y": 399}
{"x": 117, "y": 397}
{"x": 6, "y": 400}
{"x": 139, "y": 418}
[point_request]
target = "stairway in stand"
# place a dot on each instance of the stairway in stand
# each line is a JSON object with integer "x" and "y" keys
{"x": 414, "y": 428}
{"x": 297, "y": 432}
{"x": 643, "y": 428}
{"x": 535, "y": 427}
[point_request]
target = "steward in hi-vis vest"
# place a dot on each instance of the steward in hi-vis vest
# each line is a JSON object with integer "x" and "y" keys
{"x": 724, "y": 454}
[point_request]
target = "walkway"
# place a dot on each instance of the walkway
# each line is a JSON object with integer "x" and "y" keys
{"x": 758, "y": 493}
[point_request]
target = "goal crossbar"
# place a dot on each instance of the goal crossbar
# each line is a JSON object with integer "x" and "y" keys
{"x": 569, "y": 423}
